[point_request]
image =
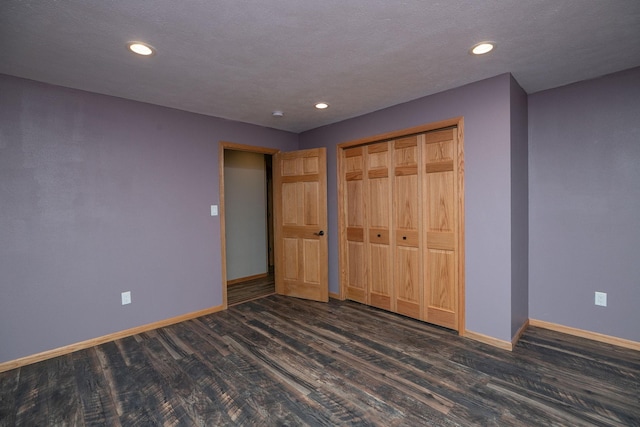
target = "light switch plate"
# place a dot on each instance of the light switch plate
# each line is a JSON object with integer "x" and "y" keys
{"x": 214, "y": 210}
{"x": 126, "y": 297}
{"x": 601, "y": 299}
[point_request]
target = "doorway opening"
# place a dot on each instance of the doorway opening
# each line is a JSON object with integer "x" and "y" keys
{"x": 246, "y": 221}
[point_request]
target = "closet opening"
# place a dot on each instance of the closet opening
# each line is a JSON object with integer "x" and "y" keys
{"x": 401, "y": 222}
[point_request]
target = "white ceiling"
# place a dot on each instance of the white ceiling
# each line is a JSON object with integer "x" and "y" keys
{"x": 242, "y": 59}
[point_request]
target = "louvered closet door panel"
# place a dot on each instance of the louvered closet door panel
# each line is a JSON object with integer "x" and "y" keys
{"x": 407, "y": 278}
{"x": 378, "y": 214}
{"x": 440, "y": 219}
{"x": 356, "y": 276}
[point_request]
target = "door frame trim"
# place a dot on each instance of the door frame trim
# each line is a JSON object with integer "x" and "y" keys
{"x": 457, "y": 122}
{"x": 225, "y": 145}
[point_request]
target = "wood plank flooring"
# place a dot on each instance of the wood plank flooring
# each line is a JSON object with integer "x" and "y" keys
{"x": 282, "y": 361}
{"x": 251, "y": 289}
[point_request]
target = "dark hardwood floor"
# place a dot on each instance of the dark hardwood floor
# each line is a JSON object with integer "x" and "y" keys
{"x": 251, "y": 289}
{"x": 282, "y": 361}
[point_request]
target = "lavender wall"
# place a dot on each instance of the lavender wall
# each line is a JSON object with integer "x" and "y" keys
{"x": 519, "y": 209}
{"x": 485, "y": 106}
{"x": 584, "y": 184}
{"x": 99, "y": 195}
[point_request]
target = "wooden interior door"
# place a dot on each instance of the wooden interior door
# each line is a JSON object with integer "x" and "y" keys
{"x": 407, "y": 207}
{"x": 300, "y": 210}
{"x": 441, "y": 219}
{"x": 353, "y": 202}
{"x": 378, "y": 219}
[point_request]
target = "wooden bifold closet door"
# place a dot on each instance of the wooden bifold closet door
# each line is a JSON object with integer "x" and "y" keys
{"x": 400, "y": 203}
{"x": 407, "y": 198}
{"x": 441, "y": 228}
{"x": 353, "y": 243}
{"x": 377, "y": 220}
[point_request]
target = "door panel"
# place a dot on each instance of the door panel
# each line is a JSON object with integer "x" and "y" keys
{"x": 311, "y": 199}
{"x": 406, "y": 222}
{"x": 311, "y": 257}
{"x": 378, "y": 212}
{"x": 379, "y": 267}
{"x": 378, "y": 220}
{"x": 356, "y": 276}
{"x": 300, "y": 210}
{"x": 353, "y": 202}
{"x": 408, "y": 289}
{"x": 440, "y": 189}
{"x": 290, "y": 252}
{"x": 441, "y": 273}
{"x": 441, "y": 296}
{"x": 290, "y": 198}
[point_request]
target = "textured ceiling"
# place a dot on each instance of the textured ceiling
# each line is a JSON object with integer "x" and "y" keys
{"x": 242, "y": 59}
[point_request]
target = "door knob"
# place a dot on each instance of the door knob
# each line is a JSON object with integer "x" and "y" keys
{"x": 319, "y": 233}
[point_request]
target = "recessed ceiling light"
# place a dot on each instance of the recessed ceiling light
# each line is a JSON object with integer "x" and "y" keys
{"x": 482, "y": 48}
{"x": 322, "y": 105}
{"x": 141, "y": 48}
{"x": 277, "y": 113}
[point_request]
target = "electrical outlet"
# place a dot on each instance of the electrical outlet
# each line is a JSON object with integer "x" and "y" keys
{"x": 601, "y": 299}
{"x": 126, "y": 297}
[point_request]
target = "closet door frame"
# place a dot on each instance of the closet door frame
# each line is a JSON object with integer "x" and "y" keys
{"x": 457, "y": 122}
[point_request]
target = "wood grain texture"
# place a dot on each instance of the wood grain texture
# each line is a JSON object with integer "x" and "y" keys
{"x": 441, "y": 226}
{"x": 409, "y": 193}
{"x": 406, "y": 219}
{"x": 61, "y": 351}
{"x": 634, "y": 345}
{"x": 459, "y": 218}
{"x": 353, "y": 241}
{"x": 251, "y": 289}
{"x": 402, "y": 133}
{"x": 247, "y": 278}
{"x": 495, "y": 342}
{"x": 378, "y": 261}
{"x": 300, "y": 211}
{"x": 287, "y": 361}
